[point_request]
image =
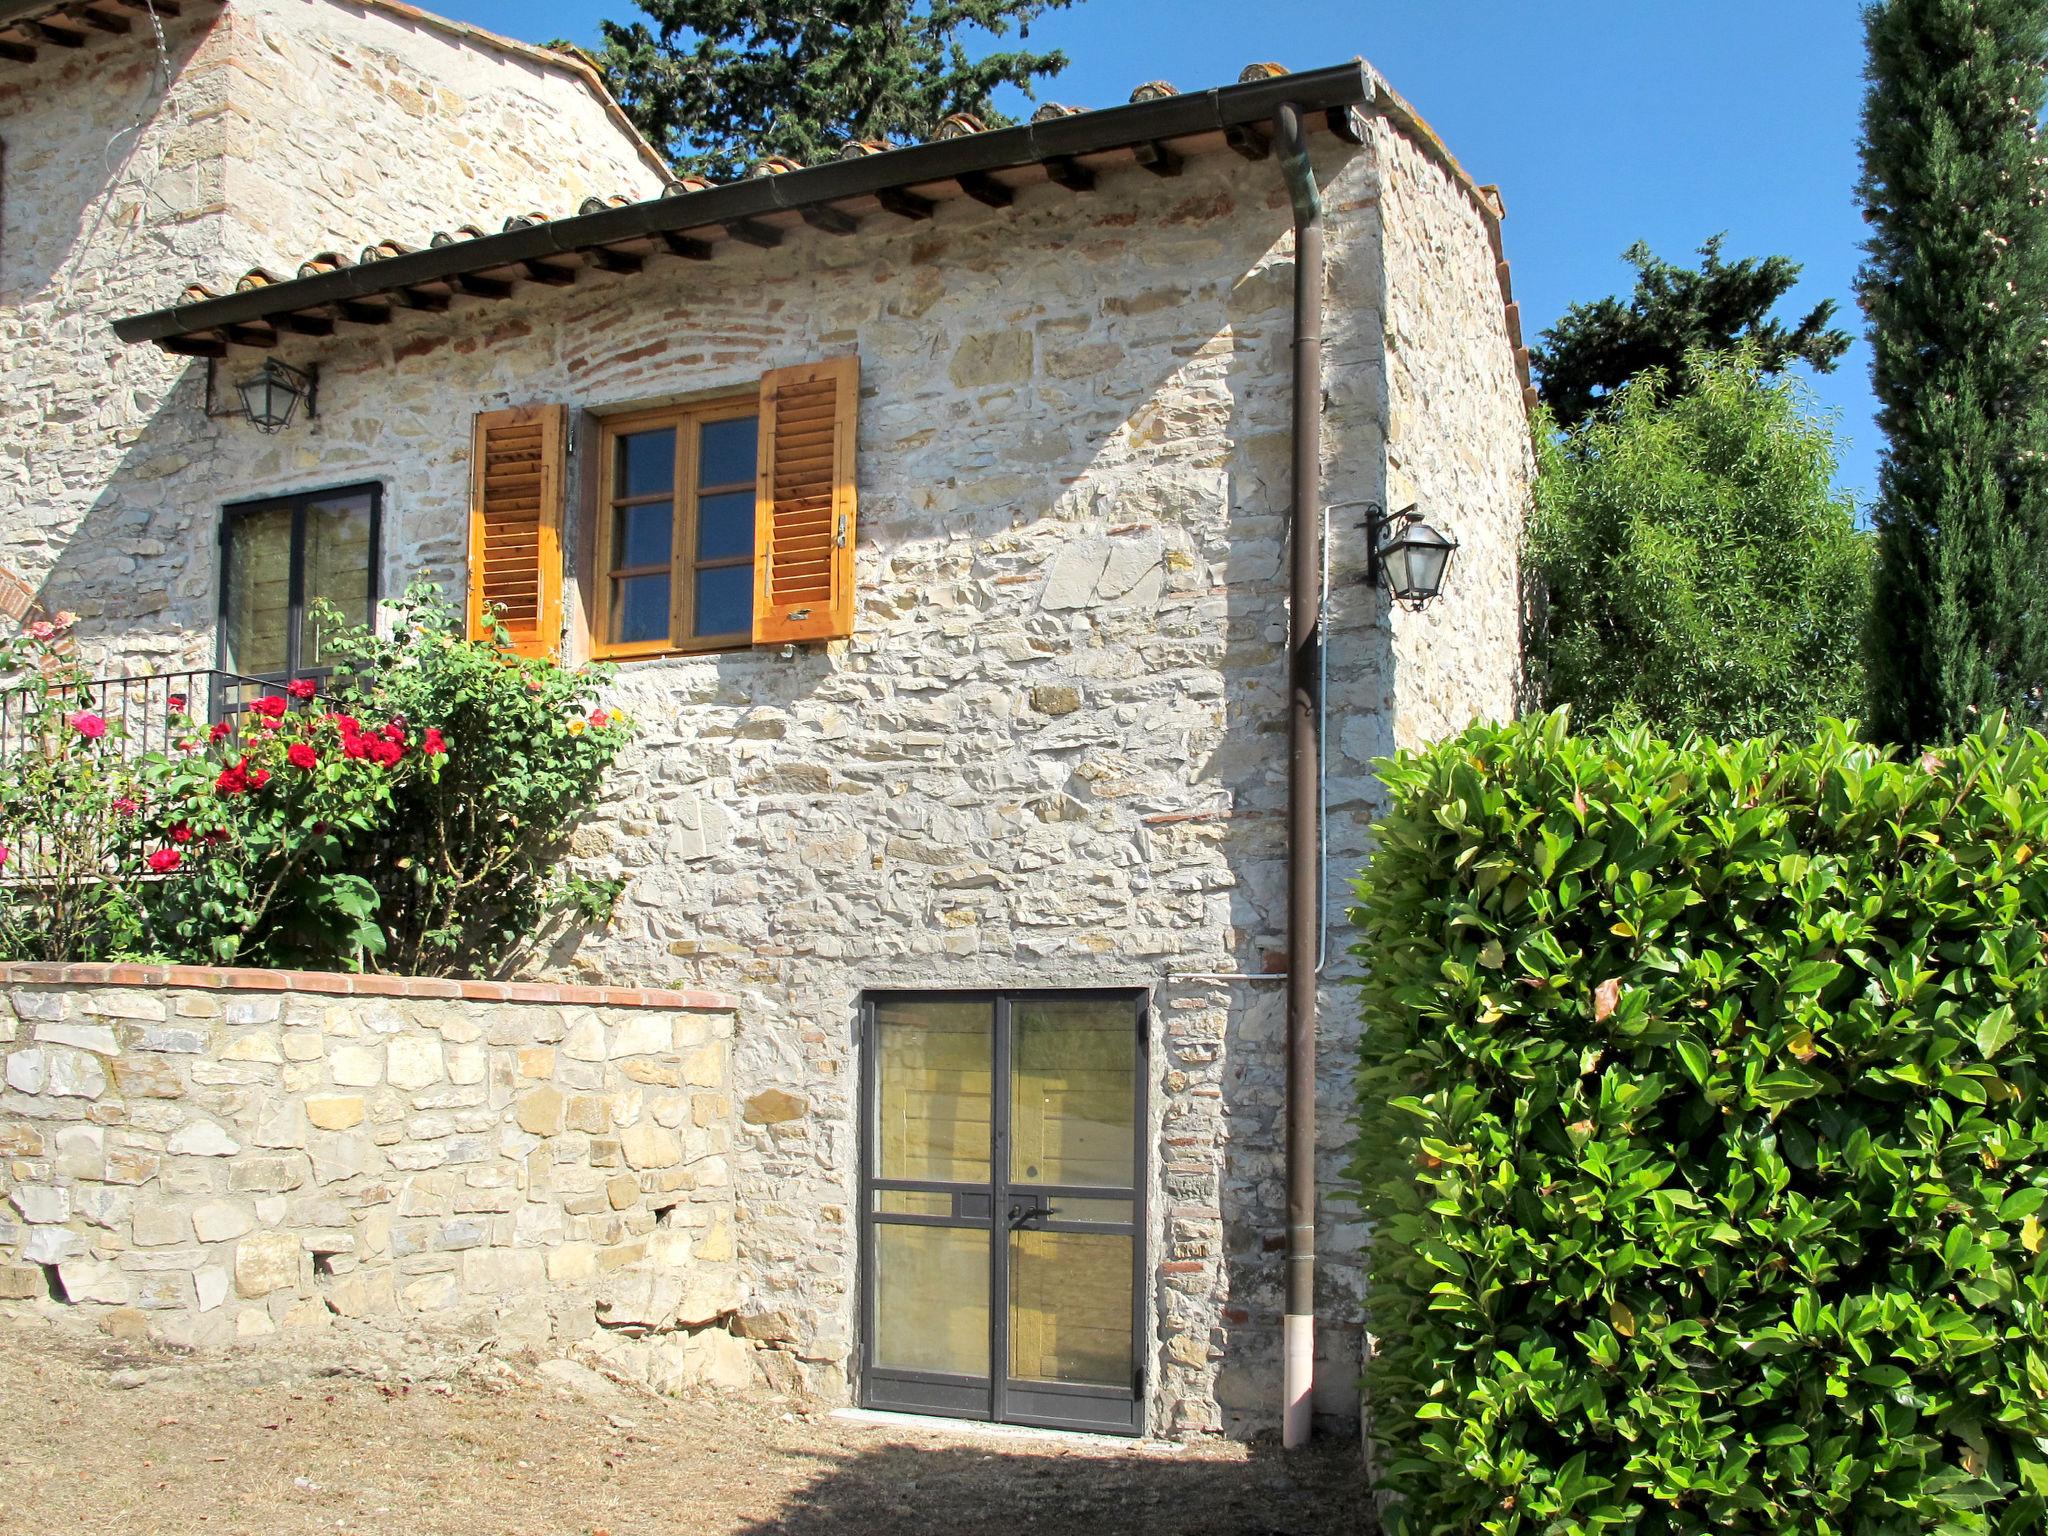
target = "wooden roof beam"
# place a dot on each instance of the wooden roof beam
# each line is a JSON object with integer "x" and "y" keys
{"x": 364, "y": 314}
{"x": 483, "y": 287}
{"x": 57, "y": 37}
{"x": 550, "y": 274}
{"x": 753, "y": 232}
{"x": 832, "y": 221}
{"x": 101, "y": 21}
{"x": 194, "y": 346}
{"x": 143, "y": 7}
{"x": 984, "y": 188}
{"x": 1251, "y": 142}
{"x": 19, "y": 53}
{"x": 673, "y": 244}
{"x": 605, "y": 259}
{"x": 905, "y": 205}
{"x": 1156, "y": 158}
{"x": 307, "y": 324}
{"x": 1065, "y": 171}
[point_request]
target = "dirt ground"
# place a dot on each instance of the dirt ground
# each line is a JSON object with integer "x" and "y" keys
{"x": 408, "y": 1438}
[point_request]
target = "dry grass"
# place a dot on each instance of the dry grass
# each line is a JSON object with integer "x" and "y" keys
{"x": 108, "y": 1437}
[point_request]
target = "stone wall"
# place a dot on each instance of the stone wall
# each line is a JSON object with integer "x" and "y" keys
{"x": 210, "y": 1157}
{"x": 1053, "y": 754}
{"x": 282, "y": 128}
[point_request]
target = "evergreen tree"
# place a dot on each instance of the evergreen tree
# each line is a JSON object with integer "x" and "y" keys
{"x": 1700, "y": 572}
{"x": 719, "y": 84}
{"x": 1675, "y": 312}
{"x": 1956, "y": 288}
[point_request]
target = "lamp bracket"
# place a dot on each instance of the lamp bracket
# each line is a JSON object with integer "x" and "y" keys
{"x": 1379, "y": 524}
{"x": 308, "y": 380}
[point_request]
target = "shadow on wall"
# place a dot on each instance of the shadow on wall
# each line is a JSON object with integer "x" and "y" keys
{"x": 920, "y": 1490}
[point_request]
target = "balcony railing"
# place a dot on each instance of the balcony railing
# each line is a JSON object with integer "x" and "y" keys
{"x": 143, "y": 715}
{"x": 140, "y": 711}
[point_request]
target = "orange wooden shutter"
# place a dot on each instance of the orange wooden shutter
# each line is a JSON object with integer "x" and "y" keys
{"x": 515, "y": 526}
{"x": 804, "y": 503}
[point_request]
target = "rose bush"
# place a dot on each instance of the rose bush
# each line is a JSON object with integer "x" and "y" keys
{"x": 66, "y": 799}
{"x": 411, "y": 817}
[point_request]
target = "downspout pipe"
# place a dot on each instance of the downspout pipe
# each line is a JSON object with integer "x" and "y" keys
{"x": 1304, "y": 750}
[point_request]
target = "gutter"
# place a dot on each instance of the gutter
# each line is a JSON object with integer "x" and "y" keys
{"x": 1233, "y": 107}
{"x": 1304, "y": 757}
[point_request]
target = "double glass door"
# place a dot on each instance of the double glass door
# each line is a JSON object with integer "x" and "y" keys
{"x": 1001, "y": 1179}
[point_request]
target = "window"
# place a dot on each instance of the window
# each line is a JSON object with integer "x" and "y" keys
{"x": 675, "y": 535}
{"x": 279, "y": 557}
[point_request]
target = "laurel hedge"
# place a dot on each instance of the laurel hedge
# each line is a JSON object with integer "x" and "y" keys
{"x": 1701, "y": 1131}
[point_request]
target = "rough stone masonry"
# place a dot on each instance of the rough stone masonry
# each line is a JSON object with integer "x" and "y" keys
{"x": 204, "y": 1164}
{"x": 1053, "y": 752}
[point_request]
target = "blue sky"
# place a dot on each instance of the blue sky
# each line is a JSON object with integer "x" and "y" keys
{"x": 1603, "y": 121}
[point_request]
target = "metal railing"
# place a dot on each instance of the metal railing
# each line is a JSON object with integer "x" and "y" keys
{"x": 153, "y": 713}
{"x": 141, "y": 712}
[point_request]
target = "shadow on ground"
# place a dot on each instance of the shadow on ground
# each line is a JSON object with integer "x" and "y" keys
{"x": 922, "y": 1490}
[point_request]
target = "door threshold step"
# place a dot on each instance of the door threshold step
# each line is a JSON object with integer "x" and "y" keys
{"x": 981, "y": 1429}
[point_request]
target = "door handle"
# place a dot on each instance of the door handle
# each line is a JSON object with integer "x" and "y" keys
{"x": 1020, "y": 1215}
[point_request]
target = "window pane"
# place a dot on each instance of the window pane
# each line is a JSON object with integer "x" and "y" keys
{"x": 725, "y": 452}
{"x": 931, "y": 1299}
{"x": 1073, "y": 1090}
{"x": 259, "y": 589}
{"x": 725, "y": 525}
{"x": 725, "y": 600}
{"x": 934, "y": 1069}
{"x": 1070, "y": 1308}
{"x": 643, "y": 535}
{"x": 640, "y": 609}
{"x": 647, "y": 462}
{"x": 337, "y": 566}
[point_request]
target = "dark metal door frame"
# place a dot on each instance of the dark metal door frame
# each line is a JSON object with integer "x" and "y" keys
{"x": 1000, "y": 1210}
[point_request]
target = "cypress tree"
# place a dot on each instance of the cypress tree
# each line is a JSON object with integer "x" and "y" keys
{"x": 1956, "y": 290}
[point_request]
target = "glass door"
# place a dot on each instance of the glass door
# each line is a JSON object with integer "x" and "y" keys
{"x": 1002, "y": 1204}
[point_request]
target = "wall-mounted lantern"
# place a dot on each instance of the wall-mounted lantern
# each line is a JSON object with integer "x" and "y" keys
{"x": 1407, "y": 554}
{"x": 271, "y": 395}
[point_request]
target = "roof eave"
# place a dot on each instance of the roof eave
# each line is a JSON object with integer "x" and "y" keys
{"x": 1159, "y": 120}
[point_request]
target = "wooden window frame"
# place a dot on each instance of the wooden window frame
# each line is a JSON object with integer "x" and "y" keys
{"x": 297, "y": 503}
{"x": 683, "y": 565}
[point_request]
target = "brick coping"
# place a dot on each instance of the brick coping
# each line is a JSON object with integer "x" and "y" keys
{"x": 347, "y": 984}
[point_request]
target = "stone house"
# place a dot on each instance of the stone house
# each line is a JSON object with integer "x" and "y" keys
{"x": 983, "y": 534}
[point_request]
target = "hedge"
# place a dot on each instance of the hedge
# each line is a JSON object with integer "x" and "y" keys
{"x": 1701, "y": 1132}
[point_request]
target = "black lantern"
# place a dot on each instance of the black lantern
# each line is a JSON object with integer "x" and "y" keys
{"x": 1409, "y": 555}
{"x": 272, "y": 395}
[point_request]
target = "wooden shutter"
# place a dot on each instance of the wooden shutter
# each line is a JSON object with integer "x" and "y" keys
{"x": 804, "y": 503}
{"x": 515, "y": 526}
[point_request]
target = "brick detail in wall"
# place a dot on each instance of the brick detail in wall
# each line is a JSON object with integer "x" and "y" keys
{"x": 342, "y": 984}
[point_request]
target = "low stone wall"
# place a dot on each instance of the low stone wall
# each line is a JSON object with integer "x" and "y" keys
{"x": 213, "y": 1156}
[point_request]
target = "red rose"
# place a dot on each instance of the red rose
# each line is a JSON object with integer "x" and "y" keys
{"x": 164, "y": 860}
{"x": 300, "y": 755}
{"x": 182, "y": 832}
{"x": 434, "y": 744}
{"x": 301, "y": 688}
{"x": 234, "y": 780}
{"x": 215, "y": 838}
{"x": 219, "y": 731}
{"x": 177, "y": 702}
{"x": 385, "y": 753}
{"x": 271, "y": 707}
{"x": 599, "y": 719}
{"x": 258, "y": 777}
{"x": 348, "y": 725}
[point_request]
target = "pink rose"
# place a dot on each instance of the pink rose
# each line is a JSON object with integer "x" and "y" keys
{"x": 89, "y": 725}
